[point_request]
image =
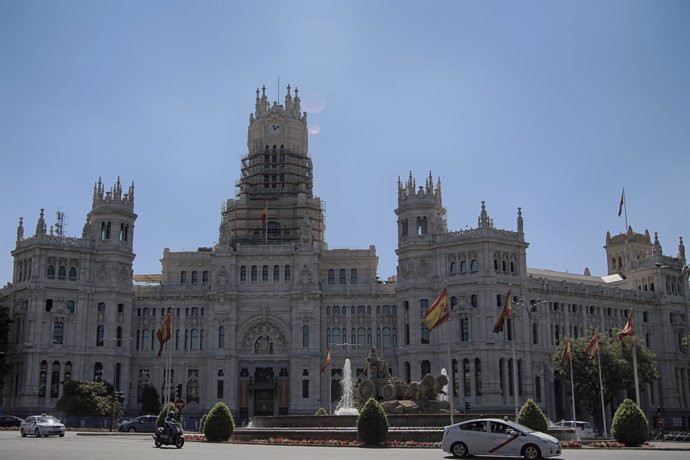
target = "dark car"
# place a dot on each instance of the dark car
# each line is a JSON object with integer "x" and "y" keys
{"x": 141, "y": 424}
{"x": 10, "y": 420}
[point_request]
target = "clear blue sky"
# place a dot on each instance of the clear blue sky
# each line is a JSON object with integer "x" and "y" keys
{"x": 552, "y": 106}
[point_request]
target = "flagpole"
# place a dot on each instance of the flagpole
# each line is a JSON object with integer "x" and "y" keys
{"x": 637, "y": 383}
{"x": 515, "y": 370}
{"x": 451, "y": 385}
{"x": 169, "y": 364}
{"x": 572, "y": 384}
{"x": 601, "y": 392}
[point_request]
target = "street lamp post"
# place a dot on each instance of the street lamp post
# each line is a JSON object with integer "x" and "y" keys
{"x": 529, "y": 309}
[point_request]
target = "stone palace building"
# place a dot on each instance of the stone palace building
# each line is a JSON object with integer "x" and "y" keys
{"x": 254, "y": 315}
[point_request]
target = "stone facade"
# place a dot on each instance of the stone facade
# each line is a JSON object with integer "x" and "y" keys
{"x": 254, "y": 315}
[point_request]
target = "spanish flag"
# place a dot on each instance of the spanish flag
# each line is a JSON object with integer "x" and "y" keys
{"x": 622, "y": 203}
{"x": 628, "y": 329}
{"x": 326, "y": 361}
{"x": 438, "y": 313}
{"x": 593, "y": 346}
{"x": 506, "y": 312}
{"x": 163, "y": 334}
{"x": 567, "y": 353}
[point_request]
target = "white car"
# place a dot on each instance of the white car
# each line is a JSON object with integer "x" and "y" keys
{"x": 492, "y": 436}
{"x": 42, "y": 425}
{"x": 584, "y": 429}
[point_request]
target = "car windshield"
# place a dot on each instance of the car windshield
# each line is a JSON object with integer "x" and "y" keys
{"x": 47, "y": 419}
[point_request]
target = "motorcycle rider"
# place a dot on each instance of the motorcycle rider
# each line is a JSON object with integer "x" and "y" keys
{"x": 170, "y": 424}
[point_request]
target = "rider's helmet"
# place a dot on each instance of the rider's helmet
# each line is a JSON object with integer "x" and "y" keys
{"x": 171, "y": 414}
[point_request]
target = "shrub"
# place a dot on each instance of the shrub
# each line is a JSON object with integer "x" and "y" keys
{"x": 531, "y": 416}
{"x": 202, "y": 422}
{"x": 219, "y": 424}
{"x": 630, "y": 425}
{"x": 372, "y": 423}
{"x": 164, "y": 412}
{"x": 321, "y": 411}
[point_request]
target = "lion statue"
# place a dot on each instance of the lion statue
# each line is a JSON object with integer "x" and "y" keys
{"x": 427, "y": 389}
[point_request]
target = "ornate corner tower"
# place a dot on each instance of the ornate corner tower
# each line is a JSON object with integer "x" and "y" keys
{"x": 275, "y": 201}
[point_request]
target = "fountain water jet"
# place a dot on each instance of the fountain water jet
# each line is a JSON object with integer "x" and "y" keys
{"x": 346, "y": 405}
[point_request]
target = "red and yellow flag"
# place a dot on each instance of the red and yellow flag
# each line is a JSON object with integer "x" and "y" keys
{"x": 593, "y": 346}
{"x": 438, "y": 313}
{"x": 628, "y": 329}
{"x": 567, "y": 353}
{"x": 326, "y": 361}
{"x": 163, "y": 334}
{"x": 506, "y": 312}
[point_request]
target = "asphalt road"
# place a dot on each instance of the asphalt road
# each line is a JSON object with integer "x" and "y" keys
{"x": 138, "y": 446}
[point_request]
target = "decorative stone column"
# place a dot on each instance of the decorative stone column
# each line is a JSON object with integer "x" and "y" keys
{"x": 244, "y": 396}
{"x": 283, "y": 391}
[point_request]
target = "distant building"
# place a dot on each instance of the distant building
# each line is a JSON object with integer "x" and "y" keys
{"x": 254, "y": 315}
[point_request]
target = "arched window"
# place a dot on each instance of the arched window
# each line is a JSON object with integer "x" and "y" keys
{"x": 474, "y": 300}
{"x": 221, "y": 337}
{"x": 195, "y": 339}
{"x": 73, "y": 273}
{"x": 353, "y": 276}
{"x": 98, "y": 372}
{"x": 478, "y": 376}
{"x": 194, "y": 278}
{"x": 204, "y": 278}
{"x": 55, "y": 380}
{"x": 463, "y": 266}
{"x": 183, "y": 277}
{"x": 61, "y": 272}
{"x": 453, "y": 267}
{"x": 254, "y": 273}
{"x": 243, "y": 273}
{"x": 474, "y": 265}
{"x": 287, "y": 273}
{"x": 331, "y": 276}
{"x": 193, "y": 386}
{"x": 118, "y": 336}
{"x": 68, "y": 373}
{"x": 264, "y": 274}
{"x": 51, "y": 272}
{"x": 305, "y": 336}
{"x": 195, "y": 311}
{"x": 535, "y": 334}
{"x": 342, "y": 279}
{"x": 387, "y": 342}
{"x": 426, "y": 367}
{"x": 361, "y": 338}
{"x": 49, "y": 304}
{"x": 42, "y": 377}
{"x": 276, "y": 273}
{"x": 58, "y": 331}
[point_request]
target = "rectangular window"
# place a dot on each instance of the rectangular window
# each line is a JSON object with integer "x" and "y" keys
{"x": 219, "y": 390}
{"x": 465, "y": 329}
{"x": 305, "y": 389}
{"x": 58, "y": 331}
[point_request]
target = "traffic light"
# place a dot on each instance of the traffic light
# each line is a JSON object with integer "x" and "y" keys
{"x": 658, "y": 410}
{"x": 467, "y": 405}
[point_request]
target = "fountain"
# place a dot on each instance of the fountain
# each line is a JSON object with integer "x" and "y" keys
{"x": 346, "y": 405}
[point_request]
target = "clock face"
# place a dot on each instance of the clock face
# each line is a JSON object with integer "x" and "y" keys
{"x": 275, "y": 128}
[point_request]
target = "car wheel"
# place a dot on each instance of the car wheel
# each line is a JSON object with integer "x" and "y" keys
{"x": 459, "y": 450}
{"x": 62, "y": 435}
{"x": 132, "y": 429}
{"x": 531, "y": 452}
{"x": 37, "y": 433}
{"x": 22, "y": 432}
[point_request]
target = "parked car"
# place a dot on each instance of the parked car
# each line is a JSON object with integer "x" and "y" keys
{"x": 498, "y": 437}
{"x": 141, "y": 424}
{"x": 42, "y": 425}
{"x": 584, "y": 429}
{"x": 9, "y": 420}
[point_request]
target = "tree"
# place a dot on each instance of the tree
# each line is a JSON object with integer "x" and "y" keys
{"x": 150, "y": 401}
{"x": 372, "y": 423}
{"x": 83, "y": 398}
{"x": 616, "y": 369}
{"x": 219, "y": 424}
{"x": 532, "y": 416}
{"x": 630, "y": 425}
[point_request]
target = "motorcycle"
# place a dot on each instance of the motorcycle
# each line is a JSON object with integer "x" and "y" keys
{"x": 171, "y": 435}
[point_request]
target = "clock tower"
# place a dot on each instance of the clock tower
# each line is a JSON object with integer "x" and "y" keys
{"x": 275, "y": 201}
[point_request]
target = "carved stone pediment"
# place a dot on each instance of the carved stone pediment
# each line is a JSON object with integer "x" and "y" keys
{"x": 264, "y": 337}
